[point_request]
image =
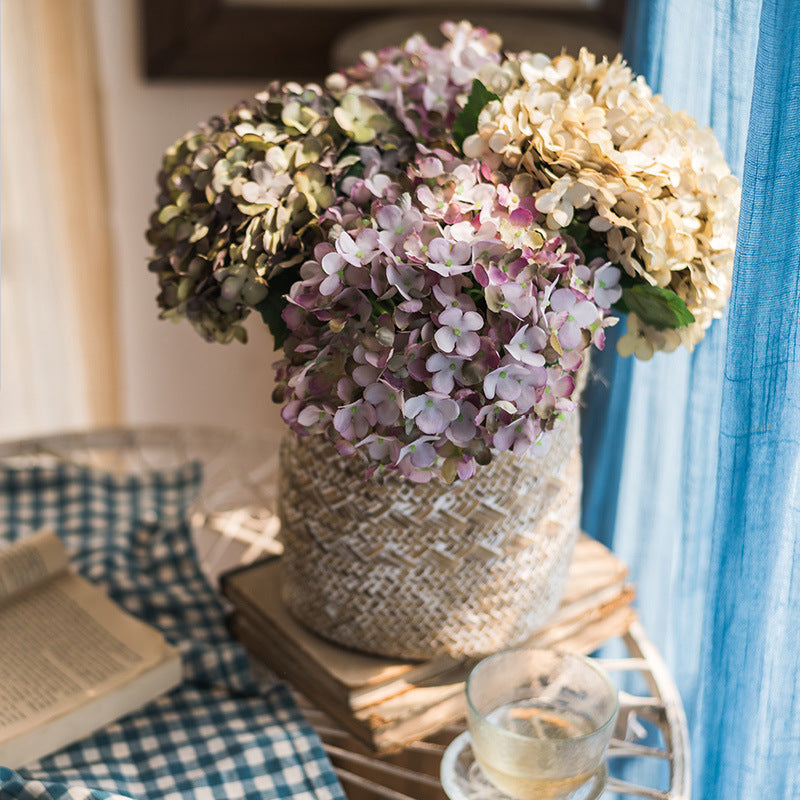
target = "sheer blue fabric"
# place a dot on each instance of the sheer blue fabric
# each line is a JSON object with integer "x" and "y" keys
{"x": 748, "y": 733}
{"x": 692, "y": 461}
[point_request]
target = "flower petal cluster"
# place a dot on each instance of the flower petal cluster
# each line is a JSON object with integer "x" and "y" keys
{"x": 240, "y": 198}
{"x": 439, "y": 235}
{"x": 622, "y": 172}
{"x": 424, "y": 84}
{"x": 426, "y": 333}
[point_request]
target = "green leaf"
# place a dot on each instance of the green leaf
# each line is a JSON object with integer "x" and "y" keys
{"x": 273, "y": 304}
{"x": 467, "y": 120}
{"x": 656, "y": 306}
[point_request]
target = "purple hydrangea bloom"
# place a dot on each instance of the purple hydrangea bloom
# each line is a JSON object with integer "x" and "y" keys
{"x": 463, "y": 428}
{"x": 355, "y": 420}
{"x": 432, "y": 322}
{"x": 527, "y": 345}
{"x": 606, "y": 286}
{"x": 362, "y": 249}
{"x": 432, "y": 411}
{"x": 386, "y": 401}
{"x": 518, "y": 436}
{"x": 445, "y": 371}
{"x": 505, "y": 382}
{"x": 397, "y": 223}
{"x": 570, "y": 313}
{"x": 449, "y": 258}
{"x": 457, "y": 332}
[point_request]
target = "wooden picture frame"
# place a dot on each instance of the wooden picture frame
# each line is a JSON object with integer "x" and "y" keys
{"x": 222, "y": 40}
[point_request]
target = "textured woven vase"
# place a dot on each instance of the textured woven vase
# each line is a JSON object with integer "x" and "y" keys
{"x": 413, "y": 570}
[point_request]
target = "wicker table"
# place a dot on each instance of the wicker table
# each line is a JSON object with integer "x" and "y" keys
{"x": 233, "y": 523}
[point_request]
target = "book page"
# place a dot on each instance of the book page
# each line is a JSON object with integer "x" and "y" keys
{"x": 64, "y": 643}
{"x": 29, "y": 561}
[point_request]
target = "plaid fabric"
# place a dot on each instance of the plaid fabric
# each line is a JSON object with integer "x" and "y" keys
{"x": 219, "y": 736}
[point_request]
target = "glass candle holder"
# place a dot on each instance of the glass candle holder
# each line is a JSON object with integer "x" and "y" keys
{"x": 540, "y": 721}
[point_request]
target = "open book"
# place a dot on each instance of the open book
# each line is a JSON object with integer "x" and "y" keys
{"x": 71, "y": 660}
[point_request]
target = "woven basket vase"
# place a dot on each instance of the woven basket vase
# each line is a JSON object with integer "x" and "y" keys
{"x": 414, "y": 570}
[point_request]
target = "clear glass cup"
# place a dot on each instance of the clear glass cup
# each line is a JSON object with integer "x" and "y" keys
{"x": 540, "y": 721}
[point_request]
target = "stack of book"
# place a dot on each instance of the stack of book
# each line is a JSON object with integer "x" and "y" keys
{"x": 388, "y": 703}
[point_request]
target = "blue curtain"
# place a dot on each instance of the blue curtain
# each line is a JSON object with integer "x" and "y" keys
{"x": 692, "y": 461}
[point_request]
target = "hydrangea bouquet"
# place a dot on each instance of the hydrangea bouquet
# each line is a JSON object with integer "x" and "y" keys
{"x": 438, "y": 236}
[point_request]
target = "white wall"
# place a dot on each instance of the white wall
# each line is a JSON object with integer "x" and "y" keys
{"x": 168, "y": 373}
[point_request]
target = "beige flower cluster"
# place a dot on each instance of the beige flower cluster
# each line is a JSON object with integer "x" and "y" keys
{"x": 653, "y": 187}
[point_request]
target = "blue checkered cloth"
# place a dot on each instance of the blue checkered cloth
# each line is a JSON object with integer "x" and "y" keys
{"x": 218, "y": 736}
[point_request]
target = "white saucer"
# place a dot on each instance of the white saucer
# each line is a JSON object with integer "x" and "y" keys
{"x": 463, "y": 779}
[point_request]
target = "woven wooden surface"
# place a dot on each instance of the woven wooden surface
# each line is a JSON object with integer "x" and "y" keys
{"x": 414, "y": 570}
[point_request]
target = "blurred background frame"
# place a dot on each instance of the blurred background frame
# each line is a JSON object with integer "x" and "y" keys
{"x": 225, "y": 39}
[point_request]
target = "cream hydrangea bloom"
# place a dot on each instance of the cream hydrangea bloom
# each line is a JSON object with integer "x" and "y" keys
{"x": 644, "y": 340}
{"x": 653, "y": 186}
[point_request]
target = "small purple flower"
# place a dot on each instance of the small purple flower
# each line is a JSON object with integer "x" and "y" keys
{"x": 404, "y": 313}
{"x": 462, "y": 429}
{"x": 559, "y": 385}
{"x": 313, "y": 418}
{"x": 446, "y": 370}
{"x": 354, "y": 421}
{"x": 386, "y": 401}
{"x": 383, "y": 449}
{"x": 505, "y": 382}
{"x": 434, "y": 204}
{"x": 435, "y": 92}
{"x": 457, "y": 332}
{"x": 346, "y": 389}
{"x": 531, "y": 389}
{"x": 361, "y": 250}
{"x": 451, "y": 296}
{"x": 290, "y": 412}
{"x": 466, "y": 468}
{"x": 571, "y": 360}
{"x": 518, "y": 436}
{"x": 398, "y": 222}
{"x": 606, "y": 286}
{"x": 420, "y": 453}
{"x": 449, "y": 258}
{"x": 383, "y": 187}
{"x": 269, "y": 182}
{"x": 408, "y": 279}
{"x": 345, "y": 448}
{"x": 365, "y": 373}
{"x": 515, "y": 298}
{"x": 333, "y": 266}
{"x": 432, "y": 411}
{"x": 571, "y": 311}
{"x": 527, "y": 345}
{"x": 430, "y": 166}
